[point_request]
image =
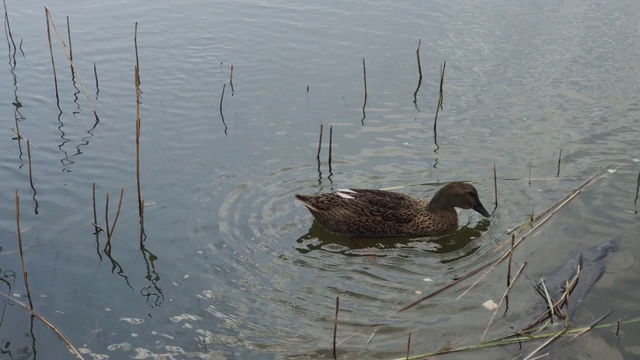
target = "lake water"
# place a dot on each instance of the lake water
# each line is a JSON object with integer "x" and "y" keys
{"x": 232, "y": 266}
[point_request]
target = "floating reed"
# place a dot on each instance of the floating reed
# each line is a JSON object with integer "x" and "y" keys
{"x": 319, "y": 144}
{"x": 504, "y": 295}
{"x": 64, "y": 48}
{"x": 47, "y": 323}
{"x": 408, "y": 346}
{"x": 330, "y": 144}
{"x": 231, "y": 80}
{"x": 221, "y": 114}
{"x": 618, "y": 328}
{"x": 24, "y": 271}
{"x": 53, "y": 63}
{"x": 335, "y": 326}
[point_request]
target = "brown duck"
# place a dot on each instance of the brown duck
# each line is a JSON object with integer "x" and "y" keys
{"x": 365, "y": 212}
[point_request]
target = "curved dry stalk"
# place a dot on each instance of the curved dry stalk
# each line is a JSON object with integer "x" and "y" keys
{"x": 47, "y": 323}
{"x": 506, "y": 292}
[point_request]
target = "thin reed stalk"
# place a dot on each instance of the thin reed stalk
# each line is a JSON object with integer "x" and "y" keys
{"x": 231, "y": 80}
{"x": 441, "y": 95}
{"x": 107, "y": 246}
{"x": 95, "y": 74}
{"x": 330, "y": 145}
{"x": 135, "y": 44}
{"x": 6, "y": 20}
{"x": 95, "y": 212}
{"x": 136, "y": 80}
{"x": 221, "y": 114}
{"x": 319, "y": 144}
{"x": 70, "y": 46}
{"x": 409, "y": 346}
{"x": 495, "y": 186}
{"x": 24, "y": 271}
{"x": 47, "y": 323}
{"x": 504, "y": 295}
{"x": 64, "y": 48}
{"x": 53, "y": 63}
{"x": 29, "y": 159}
{"x": 366, "y": 93}
{"x": 335, "y": 326}
{"x": 513, "y": 239}
{"x": 559, "y": 158}
{"x": 115, "y": 220}
{"x": 415, "y": 93}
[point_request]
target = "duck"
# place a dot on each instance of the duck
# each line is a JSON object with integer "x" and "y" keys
{"x": 382, "y": 213}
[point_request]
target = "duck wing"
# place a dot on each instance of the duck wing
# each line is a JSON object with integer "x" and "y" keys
{"x": 352, "y": 204}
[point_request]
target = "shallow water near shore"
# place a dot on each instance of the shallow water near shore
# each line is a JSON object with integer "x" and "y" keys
{"x": 233, "y": 267}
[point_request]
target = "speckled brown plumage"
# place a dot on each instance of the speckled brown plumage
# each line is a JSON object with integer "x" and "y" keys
{"x": 365, "y": 212}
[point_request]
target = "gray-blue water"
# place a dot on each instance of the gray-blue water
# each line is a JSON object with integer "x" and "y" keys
{"x": 232, "y": 267}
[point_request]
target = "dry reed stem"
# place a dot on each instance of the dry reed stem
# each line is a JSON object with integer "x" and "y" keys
{"x": 495, "y": 186}
{"x": 441, "y": 96}
{"x": 330, "y": 144}
{"x": 64, "y": 48}
{"x": 115, "y": 221}
{"x": 95, "y": 74}
{"x": 69, "y": 36}
{"x": 231, "y": 80}
{"x": 409, "y": 343}
{"x": 319, "y": 143}
{"x": 53, "y": 64}
{"x": 545, "y": 344}
{"x": 23, "y": 138}
{"x": 136, "y": 80}
{"x": 335, "y": 327}
{"x": 95, "y": 213}
{"x": 107, "y": 246}
{"x": 556, "y": 305}
{"x": 418, "y": 57}
{"x": 618, "y": 328}
{"x": 48, "y": 324}
{"x": 504, "y": 295}
{"x": 135, "y": 44}
{"x": 364, "y": 73}
{"x": 559, "y": 157}
{"x": 513, "y": 239}
{"x": 24, "y": 271}
{"x": 590, "y": 327}
{"x": 6, "y": 19}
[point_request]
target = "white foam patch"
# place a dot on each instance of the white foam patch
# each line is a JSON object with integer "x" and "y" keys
{"x": 345, "y": 196}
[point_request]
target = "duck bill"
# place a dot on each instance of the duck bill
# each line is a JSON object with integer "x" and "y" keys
{"x": 480, "y": 208}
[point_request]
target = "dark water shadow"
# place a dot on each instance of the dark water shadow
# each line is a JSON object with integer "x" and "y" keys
{"x": 451, "y": 242}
